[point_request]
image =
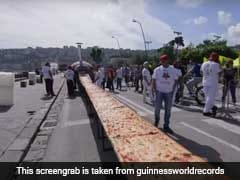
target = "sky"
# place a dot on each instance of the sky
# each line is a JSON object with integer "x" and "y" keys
{"x": 55, "y": 23}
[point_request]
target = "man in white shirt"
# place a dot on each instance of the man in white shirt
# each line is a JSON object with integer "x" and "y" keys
{"x": 210, "y": 70}
{"x": 48, "y": 78}
{"x": 164, "y": 79}
{"x": 146, "y": 82}
{"x": 119, "y": 78}
{"x": 99, "y": 77}
{"x": 69, "y": 75}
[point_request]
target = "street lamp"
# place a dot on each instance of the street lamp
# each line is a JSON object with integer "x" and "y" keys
{"x": 117, "y": 44}
{"x": 144, "y": 40}
{"x": 79, "y": 53}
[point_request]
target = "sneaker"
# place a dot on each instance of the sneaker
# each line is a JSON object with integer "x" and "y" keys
{"x": 207, "y": 114}
{"x": 214, "y": 110}
{"x": 168, "y": 130}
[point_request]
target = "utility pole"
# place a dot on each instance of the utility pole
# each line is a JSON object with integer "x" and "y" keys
{"x": 148, "y": 44}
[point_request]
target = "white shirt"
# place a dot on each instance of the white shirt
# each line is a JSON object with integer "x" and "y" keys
{"x": 178, "y": 72}
{"x": 102, "y": 73}
{"x": 146, "y": 73}
{"x": 211, "y": 72}
{"x": 99, "y": 77}
{"x": 69, "y": 74}
{"x": 46, "y": 72}
{"x": 165, "y": 78}
{"x": 119, "y": 73}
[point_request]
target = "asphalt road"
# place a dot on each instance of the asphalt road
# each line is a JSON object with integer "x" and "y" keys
{"x": 74, "y": 139}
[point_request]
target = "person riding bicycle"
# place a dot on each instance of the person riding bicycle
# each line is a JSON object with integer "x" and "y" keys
{"x": 196, "y": 77}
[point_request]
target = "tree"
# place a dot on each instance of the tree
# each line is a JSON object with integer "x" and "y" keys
{"x": 137, "y": 58}
{"x": 169, "y": 50}
{"x": 205, "y": 49}
{"x": 96, "y": 55}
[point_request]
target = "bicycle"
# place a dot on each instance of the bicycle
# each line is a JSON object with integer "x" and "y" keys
{"x": 197, "y": 91}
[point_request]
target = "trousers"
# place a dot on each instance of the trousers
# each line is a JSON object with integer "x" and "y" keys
{"x": 229, "y": 85}
{"x": 167, "y": 98}
{"x": 70, "y": 87}
{"x": 210, "y": 93}
{"x": 148, "y": 89}
{"x": 49, "y": 86}
{"x": 119, "y": 83}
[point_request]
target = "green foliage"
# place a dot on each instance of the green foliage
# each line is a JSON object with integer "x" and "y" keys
{"x": 96, "y": 55}
{"x": 137, "y": 58}
{"x": 154, "y": 60}
{"x": 204, "y": 49}
{"x": 169, "y": 50}
{"x": 179, "y": 41}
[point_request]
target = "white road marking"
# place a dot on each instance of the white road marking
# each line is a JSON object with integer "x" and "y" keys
{"x": 211, "y": 136}
{"x": 174, "y": 109}
{"x": 65, "y": 112}
{"x": 223, "y": 124}
{"x": 237, "y": 117}
{"x": 136, "y": 105}
{"x": 141, "y": 113}
{"x": 75, "y": 123}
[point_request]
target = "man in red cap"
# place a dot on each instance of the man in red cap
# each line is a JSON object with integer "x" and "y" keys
{"x": 164, "y": 78}
{"x": 210, "y": 70}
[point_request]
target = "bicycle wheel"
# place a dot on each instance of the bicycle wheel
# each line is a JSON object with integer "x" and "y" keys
{"x": 200, "y": 96}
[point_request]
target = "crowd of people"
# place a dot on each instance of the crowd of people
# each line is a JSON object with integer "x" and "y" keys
{"x": 164, "y": 85}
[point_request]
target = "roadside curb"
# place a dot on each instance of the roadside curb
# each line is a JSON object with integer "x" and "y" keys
{"x": 20, "y": 146}
{"x": 39, "y": 146}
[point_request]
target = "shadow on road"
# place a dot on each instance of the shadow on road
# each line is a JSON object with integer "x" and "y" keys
{"x": 201, "y": 150}
{"x": 105, "y": 155}
{"x": 4, "y": 109}
{"x": 190, "y": 109}
{"x": 46, "y": 98}
{"x": 230, "y": 120}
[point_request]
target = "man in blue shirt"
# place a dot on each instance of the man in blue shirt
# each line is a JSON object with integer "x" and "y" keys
{"x": 196, "y": 77}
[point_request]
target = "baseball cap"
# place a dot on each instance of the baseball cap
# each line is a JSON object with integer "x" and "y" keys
{"x": 213, "y": 56}
{"x": 164, "y": 57}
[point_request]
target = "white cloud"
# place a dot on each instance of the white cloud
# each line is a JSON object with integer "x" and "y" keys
{"x": 189, "y": 3}
{"x": 224, "y": 18}
{"x": 57, "y": 23}
{"x": 197, "y": 21}
{"x": 233, "y": 34}
{"x": 200, "y": 20}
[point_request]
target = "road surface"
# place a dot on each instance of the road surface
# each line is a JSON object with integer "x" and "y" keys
{"x": 216, "y": 140}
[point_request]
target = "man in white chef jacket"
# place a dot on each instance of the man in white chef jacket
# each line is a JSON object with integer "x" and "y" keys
{"x": 146, "y": 82}
{"x": 99, "y": 75}
{"x": 210, "y": 70}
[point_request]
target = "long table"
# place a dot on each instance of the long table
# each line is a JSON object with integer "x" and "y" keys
{"x": 132, "y": 137}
